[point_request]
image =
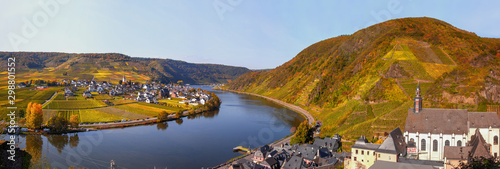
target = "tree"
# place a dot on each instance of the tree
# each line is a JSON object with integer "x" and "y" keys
{"x": 58, "y": 124}
{"x": 179, "y": 114}
{"x": 162, "y": 116}
{"x": 74, "y": 120}
{"x": 480, "y": 162}
{"x": 34, "y": 116}
{"x": 303, "y": 134}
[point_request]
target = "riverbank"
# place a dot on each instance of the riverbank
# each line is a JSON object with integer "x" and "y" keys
{"x": 295, "y": 108}
{"x": 278, "y": 142}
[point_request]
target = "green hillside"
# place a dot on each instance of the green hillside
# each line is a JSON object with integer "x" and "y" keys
{"x": 112, "y": 67}
{"x": 364, "y": 83}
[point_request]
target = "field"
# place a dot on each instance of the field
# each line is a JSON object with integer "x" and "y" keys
{"x": 74, "y": 104}
{"x": 92, "y": 115}
{"x": 121, "y": 113}
{"x": 140, "y": 109}
{"x": 122, "y": 101}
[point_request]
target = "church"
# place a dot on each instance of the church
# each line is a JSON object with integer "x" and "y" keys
{"x": 428, "y": 130}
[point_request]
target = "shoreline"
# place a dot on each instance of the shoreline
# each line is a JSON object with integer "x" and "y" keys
{"x": 278, "y": 142}
{"x": 292, "y": 107}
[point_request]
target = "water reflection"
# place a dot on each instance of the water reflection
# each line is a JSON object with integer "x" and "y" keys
{"x": 162, "y": 126}
{"x": 34, "y": 144}
{"x": 179, "y": 121}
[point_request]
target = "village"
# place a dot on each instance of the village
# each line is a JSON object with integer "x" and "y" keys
{"x": 147, "y": 92}
{"x": 432, "y": 139}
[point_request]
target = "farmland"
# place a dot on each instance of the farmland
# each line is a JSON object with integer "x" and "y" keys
{"x": 75, "y": 104}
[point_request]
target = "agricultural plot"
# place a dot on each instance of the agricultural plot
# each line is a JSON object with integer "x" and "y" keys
{"x": 121, "y": 113}
{"x": 93, "y": 115}
{"x": 122, "y": 101}
{"x": 75, "y": 104}
{"x": 435, "y": 70}
{"x": 167, "y": 108}
{"x": 102, "y": 97}
{"x": 140, "y": 109}
{"x": 174, "y": 102}
{"x": 60, "y": 97}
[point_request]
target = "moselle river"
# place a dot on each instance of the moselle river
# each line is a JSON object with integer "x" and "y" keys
{"x": 200, "y": 141}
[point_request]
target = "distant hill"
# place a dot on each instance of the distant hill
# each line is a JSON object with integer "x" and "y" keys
{"x": 113, "y": 66}
{"x": 364, "y": 83}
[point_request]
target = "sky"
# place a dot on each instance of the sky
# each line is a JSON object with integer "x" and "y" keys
{"x": 257, "y": 34}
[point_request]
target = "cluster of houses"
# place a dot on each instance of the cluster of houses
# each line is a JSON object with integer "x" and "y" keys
{"x": 322, "y": 153}
{"x": 432, "y": 138}
{"x": 149, "y": 93}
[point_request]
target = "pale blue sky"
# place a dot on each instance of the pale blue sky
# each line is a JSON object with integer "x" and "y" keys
{"x": 251, "y": 33}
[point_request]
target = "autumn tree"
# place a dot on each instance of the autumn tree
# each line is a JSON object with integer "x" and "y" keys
{"x": 304, "y": 134}
{"x": 34, "y": 116}
{"x": 74, "y": 120}
{"x": 179, "y": 114}
{"x": 58, "y": 124}
{"x": 480, "y": 162}
{"x": 162, "y": 116}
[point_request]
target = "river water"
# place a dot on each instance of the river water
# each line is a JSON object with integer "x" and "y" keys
{"x": 200, "y": 141}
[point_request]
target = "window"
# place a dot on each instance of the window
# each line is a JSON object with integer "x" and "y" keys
{"x": 356, "y": 153}
{"x": 362, "y": 152}
{"x": 378, "y": 155}
{"x": 422, "y": 145}
{"x": 374, "y": 153}
{"x": 412, "y": 140}
{"x": 459, "y": 143}
{"x": 354, "y": 158}
{"x": 435, "y": 145}
{"x": 447, "y": 143}
{"x": 495, "y": 140}
{"x": 495, "y": 155}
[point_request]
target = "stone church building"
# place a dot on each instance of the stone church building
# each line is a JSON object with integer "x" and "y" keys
{"x": 429, "y": 130}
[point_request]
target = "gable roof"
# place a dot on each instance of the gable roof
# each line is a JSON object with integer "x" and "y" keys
{"x": 456, "y": 152}
{"x": 483, "y": 119}
{"x": 308, "y": 152}
{"x": 363, "y": 143}
{"x": 394, "y": 143}
{"x": 432, "y": 120}
{"x": 294, "y": 163}
{"x": 479, "y": 146}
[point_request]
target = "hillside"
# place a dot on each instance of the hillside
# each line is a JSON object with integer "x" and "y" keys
{"x": 112, "y": 67}
{"x": 364, "y": 83}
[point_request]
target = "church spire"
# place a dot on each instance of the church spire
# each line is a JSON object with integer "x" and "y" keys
{"x": 417, "y": 100}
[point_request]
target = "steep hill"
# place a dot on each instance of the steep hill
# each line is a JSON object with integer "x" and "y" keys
{"x": 112, "y": 66}
{"x": 364, "y": 83}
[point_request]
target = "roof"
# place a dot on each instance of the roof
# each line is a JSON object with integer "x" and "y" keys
{"x": 432, "y": 120}
{"x": 384, "y": 165}
{"x": 394, "y": 143}
{"x": 269, "y": 162}
{"x": 363, "y": 143}
{"x": 307, "y": 152}
{"x": 294, "y": 163}
{"x": 483, "y": 119}
{"x": 456, "y": 153}
{"x": 479, "y": 146}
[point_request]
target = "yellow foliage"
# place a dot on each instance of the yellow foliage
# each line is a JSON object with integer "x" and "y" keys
{"x": 436, "y": 70}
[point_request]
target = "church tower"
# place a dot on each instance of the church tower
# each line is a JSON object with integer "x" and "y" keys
{"x": 418, "y": 100}
{"x": 123, "y": 78}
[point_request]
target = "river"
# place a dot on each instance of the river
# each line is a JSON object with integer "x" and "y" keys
{"x": 200, "y": 141}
